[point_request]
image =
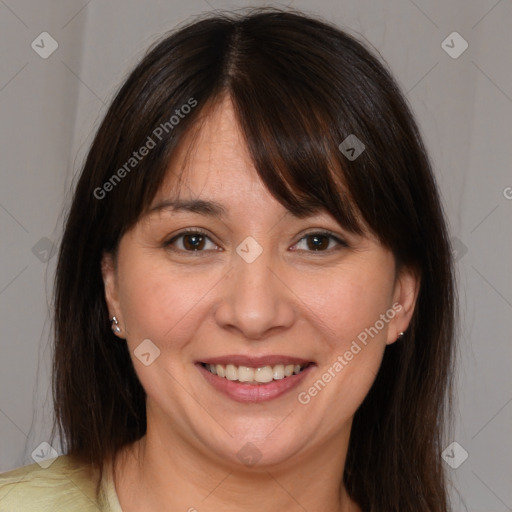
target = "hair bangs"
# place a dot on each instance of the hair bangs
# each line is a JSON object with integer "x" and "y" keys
{"x": 293, "y": 155}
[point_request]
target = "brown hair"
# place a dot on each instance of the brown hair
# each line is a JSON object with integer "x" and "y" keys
{"x": 299, "y": 87}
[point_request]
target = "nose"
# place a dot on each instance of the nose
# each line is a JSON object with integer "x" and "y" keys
{"x": 256, "y": 299}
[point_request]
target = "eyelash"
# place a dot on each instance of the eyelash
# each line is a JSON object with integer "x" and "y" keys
{"x": 198, "y": 231}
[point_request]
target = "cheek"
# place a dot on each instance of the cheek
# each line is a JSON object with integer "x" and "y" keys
{"x": 158, "y": 302}
{"x": 352, "y": 349}
{"x": 163, "y": 306}
{"x": 347, "y": 307}
{"x": 350, "y": 301}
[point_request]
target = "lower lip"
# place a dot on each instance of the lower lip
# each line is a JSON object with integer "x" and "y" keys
{"x": 243, "y": 392}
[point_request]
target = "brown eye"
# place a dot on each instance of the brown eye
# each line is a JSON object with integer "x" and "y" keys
{"x": 320, "y": 242}
{"x": 317, "y": 242}
{"x": 190, "y": 241}
{"x": 193, "y": 242}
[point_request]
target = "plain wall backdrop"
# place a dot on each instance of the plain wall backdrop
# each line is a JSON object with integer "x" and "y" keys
{"x": 51, "y": 105}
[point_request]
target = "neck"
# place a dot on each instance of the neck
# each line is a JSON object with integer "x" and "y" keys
{"x": 166, "y": 473}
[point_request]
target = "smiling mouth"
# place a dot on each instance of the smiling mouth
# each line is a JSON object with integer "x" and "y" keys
{"x": 254, "y": 376}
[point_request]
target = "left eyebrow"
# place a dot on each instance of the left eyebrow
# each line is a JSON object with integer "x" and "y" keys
{"x": 216, "y": 210}
{"x": 210, "y": 208}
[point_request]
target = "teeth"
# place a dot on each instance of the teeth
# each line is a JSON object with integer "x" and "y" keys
{"x": 231, "y": 372}
{"x": 245, "y": 374}
{"x": 260, "y": 375}
{"x": 278, "y": 372}
{"x": 263, "y": 375}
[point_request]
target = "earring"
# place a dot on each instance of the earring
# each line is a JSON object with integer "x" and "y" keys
{"x": 115, "y": 324}
{"x": 400, "y": 335}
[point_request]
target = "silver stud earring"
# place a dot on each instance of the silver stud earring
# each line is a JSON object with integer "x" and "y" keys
{"x": 115, "y": 324}
{"x": 400, "y": 335}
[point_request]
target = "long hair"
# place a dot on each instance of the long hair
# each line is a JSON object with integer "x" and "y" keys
{"x": 300, "y": 86}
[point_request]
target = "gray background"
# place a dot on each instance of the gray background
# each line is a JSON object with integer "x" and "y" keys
{"x": 50, "y": 109}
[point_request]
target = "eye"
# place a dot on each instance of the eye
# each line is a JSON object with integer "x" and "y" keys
{"x": 196, "y": 240}
{"x": 320, "y": 242}
{"x": 192, "y": 240}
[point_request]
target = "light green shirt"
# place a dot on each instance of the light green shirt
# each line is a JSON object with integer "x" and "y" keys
{"x": 61, "y": 487}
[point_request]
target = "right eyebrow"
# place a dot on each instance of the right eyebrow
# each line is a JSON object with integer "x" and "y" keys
{"x": 200, "y": 206}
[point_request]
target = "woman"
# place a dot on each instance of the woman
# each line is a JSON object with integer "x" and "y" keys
{"x": 254, "y": 301}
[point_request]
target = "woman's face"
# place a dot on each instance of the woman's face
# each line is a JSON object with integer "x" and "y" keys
{"x": 257, "y": 291}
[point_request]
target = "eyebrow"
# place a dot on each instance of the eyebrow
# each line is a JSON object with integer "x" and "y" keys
{"x": 213, "y": 208}
{"x": 200, "y": 206}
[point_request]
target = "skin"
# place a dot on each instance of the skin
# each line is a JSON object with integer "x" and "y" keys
{"x": 292, "y": 300}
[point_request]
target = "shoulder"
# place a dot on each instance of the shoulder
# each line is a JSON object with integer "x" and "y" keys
{"x": 62, "y": 486}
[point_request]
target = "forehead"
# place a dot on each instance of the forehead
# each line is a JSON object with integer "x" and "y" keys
{"x": 212, "y": 172}
{"x": 212, "y": 160}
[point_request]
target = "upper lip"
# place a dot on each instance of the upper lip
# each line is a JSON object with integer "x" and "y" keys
{"x": 254, "y": 361}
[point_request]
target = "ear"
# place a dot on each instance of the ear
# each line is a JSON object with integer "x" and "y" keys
{"x": 405, "y": 294}
{"x": 108, "y": 271}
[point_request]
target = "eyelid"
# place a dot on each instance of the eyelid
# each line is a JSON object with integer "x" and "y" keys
{"x": 312, "y": 231}
{"x": 323, "y": 232}
{"x": 188, "y": 231}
